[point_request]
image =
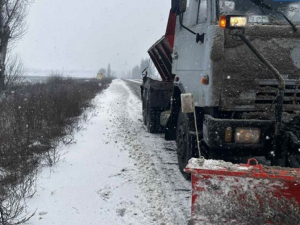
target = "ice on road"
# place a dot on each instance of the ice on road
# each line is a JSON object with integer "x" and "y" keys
{"x": 115, "y": 173}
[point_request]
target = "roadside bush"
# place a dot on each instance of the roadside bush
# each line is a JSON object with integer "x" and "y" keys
{"x": 33, "y": 118}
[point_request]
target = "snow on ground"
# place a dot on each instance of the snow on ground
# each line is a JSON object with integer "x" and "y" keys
{"x": 115, "y": 173}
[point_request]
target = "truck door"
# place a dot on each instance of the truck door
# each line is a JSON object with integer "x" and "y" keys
{"x": 191, "y": 55}
{"x": 191, "y": 60}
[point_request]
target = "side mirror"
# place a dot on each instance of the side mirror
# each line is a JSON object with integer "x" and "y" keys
{"x": 179, "y": 6}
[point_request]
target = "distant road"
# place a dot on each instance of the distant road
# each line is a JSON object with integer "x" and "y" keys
{"x": 134, "y": 85}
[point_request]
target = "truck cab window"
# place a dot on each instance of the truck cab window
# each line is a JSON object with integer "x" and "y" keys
{"x": 188, "y": 3}
{"x": 190, "y": 15}
{"x": 202, "y": 13}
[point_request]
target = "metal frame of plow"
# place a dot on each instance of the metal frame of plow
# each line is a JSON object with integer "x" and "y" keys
{"x": 226, "y": 193}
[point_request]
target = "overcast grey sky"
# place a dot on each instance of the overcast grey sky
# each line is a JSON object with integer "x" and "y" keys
{"x": 89, "y": 34}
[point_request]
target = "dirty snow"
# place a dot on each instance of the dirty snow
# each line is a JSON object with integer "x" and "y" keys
{"x": 209, "y": 164}
{"x": 115, "y": 173}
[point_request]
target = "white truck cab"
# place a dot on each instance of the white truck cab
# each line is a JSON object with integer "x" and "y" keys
{"x": 237, "y": 63}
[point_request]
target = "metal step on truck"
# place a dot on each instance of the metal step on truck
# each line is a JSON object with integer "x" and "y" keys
{"x": 230, "y": 92}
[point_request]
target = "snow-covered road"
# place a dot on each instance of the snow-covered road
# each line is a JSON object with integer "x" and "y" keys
{"x": 115, "y": 173}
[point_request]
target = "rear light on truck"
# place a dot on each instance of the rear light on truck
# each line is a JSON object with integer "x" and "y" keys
{"x": 232, "y": 21}
{"x": 247, "y": 135}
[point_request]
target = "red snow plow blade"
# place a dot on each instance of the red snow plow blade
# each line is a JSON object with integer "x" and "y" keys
{"x": 225, "y": 193}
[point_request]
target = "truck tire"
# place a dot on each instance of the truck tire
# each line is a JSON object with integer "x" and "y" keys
{"x": 184, "y": 151}
{"x": 153, "y": 120}
{"x": 294, "y": 161}
{"x": 144, "y": 116}
{"x": 144, "y": 106}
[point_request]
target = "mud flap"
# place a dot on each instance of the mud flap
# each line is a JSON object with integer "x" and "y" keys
{"x": 226, "y": 193}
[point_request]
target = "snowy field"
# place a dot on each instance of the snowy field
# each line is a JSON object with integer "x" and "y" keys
{"x": 115, "y": 173}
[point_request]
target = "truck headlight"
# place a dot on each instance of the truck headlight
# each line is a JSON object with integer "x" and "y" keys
{"x": 247, "y": 135}
{"x": 233, "y": 21}
{"x": 238, "y": 21}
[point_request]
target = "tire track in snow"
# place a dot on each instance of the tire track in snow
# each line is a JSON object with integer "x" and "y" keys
{"x": 165, "y": 188}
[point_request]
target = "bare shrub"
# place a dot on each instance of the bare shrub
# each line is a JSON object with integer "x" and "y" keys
{"x": 12, "y": 200}
{"x": 14, "y": 72}
{"x": 34, "y": 119}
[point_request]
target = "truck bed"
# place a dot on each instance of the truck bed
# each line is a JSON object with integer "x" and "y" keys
{"x": 161, "y": 52}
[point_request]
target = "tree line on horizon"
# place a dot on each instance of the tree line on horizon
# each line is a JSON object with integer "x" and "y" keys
{"x": 136, "y": 72}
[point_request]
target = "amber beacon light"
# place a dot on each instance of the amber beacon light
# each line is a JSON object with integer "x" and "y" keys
{"x": 205, "y": 80}
{"x": 222, "y": 21}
